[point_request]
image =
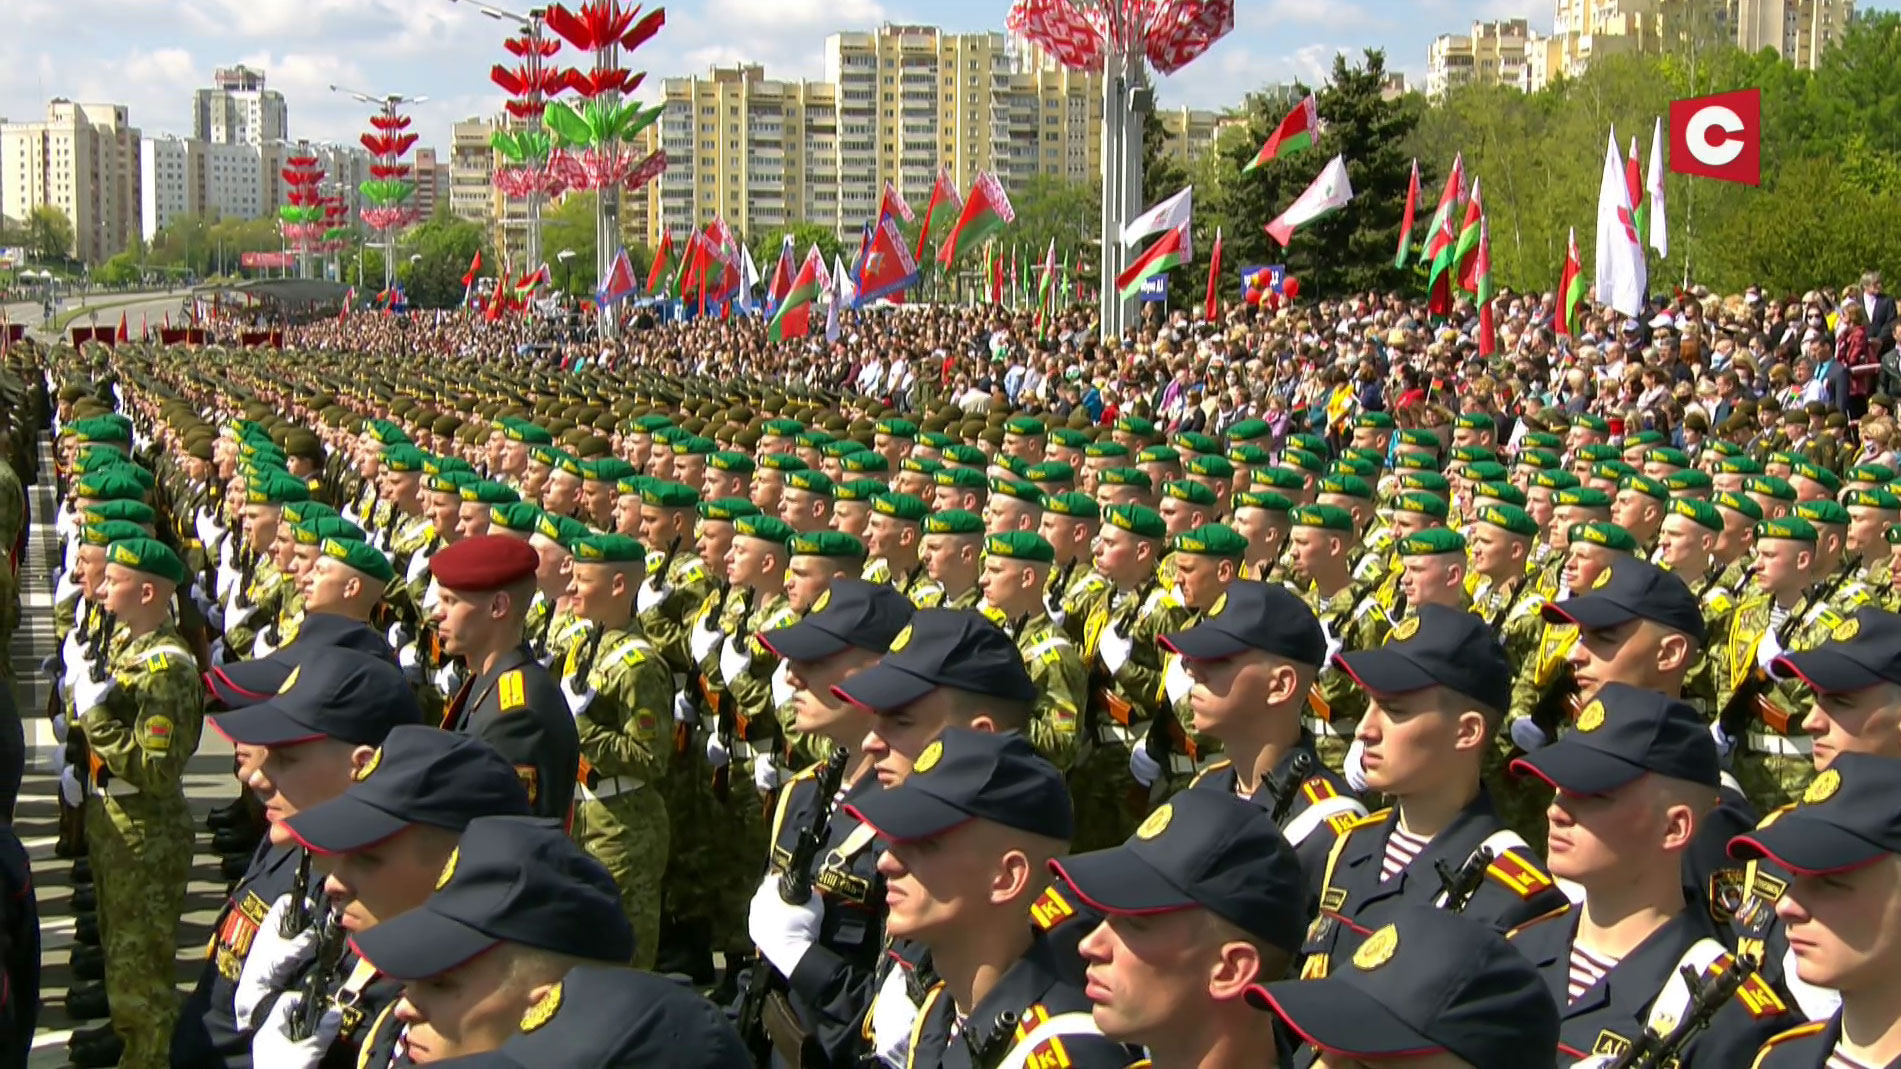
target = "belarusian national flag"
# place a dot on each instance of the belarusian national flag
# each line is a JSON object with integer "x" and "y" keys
{"x": 1329, "y": 192}
{"x": 1295, "y": 132}
{"x": 1406, "y": 222}
{"x": 1465, "y": 257}
{"x": 1439, "y": 242}
{"x": 475, "y": 268}
{"x": 1488, "y": 330}
{"x": 794, "y": 317}
{"x": 987, "y": 212}
{"x": 1211, "y": 303}
{"x": 1170, "y": 250}
{"x": 665, "y": 263}
{"x": 782, "y": 272}
{"x": 1570, "y": 289}
{"x": 942, "y": 191}
{"x": 894, "y": 204}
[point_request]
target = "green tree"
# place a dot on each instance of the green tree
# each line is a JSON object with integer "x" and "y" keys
{"x": 570, "y": 225}
{"x": 1050, "y": 209}
{"x": 445, "y": 245}
{"x": 121, "y": 270}
{"x": 50, "y": 233}
{"x": 765, "y": 248}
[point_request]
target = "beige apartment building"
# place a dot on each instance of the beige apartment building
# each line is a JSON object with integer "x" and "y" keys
{"x": 84, "y": 160}
{"x": 1585, "y": 30}
{"x": 1492, "y": 54}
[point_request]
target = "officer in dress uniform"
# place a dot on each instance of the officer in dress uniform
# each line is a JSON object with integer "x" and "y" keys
{"x": 383, "y": 842}
{"x": 824, "y": 953}
{"x": 1839, "y": 843}
{"x": 298, "y": 747}
{"x": 511, "y": 702}
{"x": 1427, "y": 987}
{"x": 1635, "y": 780}
{"x": 515, "y": 907}
{"x": 1199, "y": 905}
{"x": 1254, "y": 659}
{"x": 1438, "y": 691}
{"x": 968, "y": 835}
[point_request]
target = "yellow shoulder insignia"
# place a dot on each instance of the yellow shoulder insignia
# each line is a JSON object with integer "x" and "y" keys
{"x": 633, "y": 655}
{"x": 1519, "y": 874}
{"x": 511, "y": 691}
{"x": 1211, "y": 770}
{"x": 995, "y": 615}
{"x": 695, "y": 572}
{"x": 1798, "y": 1032}
{"x": 1540, "y": 919}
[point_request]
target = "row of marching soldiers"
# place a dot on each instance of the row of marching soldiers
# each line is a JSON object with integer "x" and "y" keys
{"x": 1636, "y": 660}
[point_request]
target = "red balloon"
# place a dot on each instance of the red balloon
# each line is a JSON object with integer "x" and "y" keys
{"x": 1291, "y": 287}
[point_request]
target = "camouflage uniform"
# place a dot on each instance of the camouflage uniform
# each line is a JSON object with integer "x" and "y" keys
{"x": 1772, "y": 757}
{"x": 140, "y": 833}
{"x": 1353, "y": 620}
{"x": 1062, "y": 686}
{"x": 12, "y": 520}
{"x": 264, "y": 596}
{"x": 1121, "y": 704}
{"x": 668, "y": 618}
{"x": 620, "y": 813}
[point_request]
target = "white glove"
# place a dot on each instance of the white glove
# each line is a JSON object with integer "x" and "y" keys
{"x": 733, "y": 658}
{"x": 70, "y": 650}
{"x": 59, "y": 728}
{"x": 272, "y": 961}
{"x": 578, "y": 700}
{"x": 396, "y": 635}
{"x": 683, "y": 712}
{"x": 1176, "y": 680}
{"x": 226, "y": 581}
{"x": 1114, "y": 648}
{"x": 444, "y": 680}
{"x": 262, "y": 648}
{"x": 765, "y": 773}
{"x": 1055, "y": 610}
{"x": 418, "y": 564}
{"x": 893, "y": 1018}
{"x": 219, "y": 655}
{"x": 702, "y": 640}
{"x": 431, "y": 596}
{"x": 716, "y": 753}
{"x": 273, "y": 1046}
{"x": 1724, "y": 744}
{"x": 214, "y": 615}
{"x": 650, "y": 596}
{"x": 783, "y": 932}
{"x": 407, "y": 657}
{"x": 1354, "y": 767}
{"x": 88, "y": 695}
{"x": 1144, "y": 768}
{"x": 1529, "y": 736}
{"x": 207, "y": 527}
{"x": 1768, "y": 650}
{"x": 782, "y": 691}
{"x": 69, "y": 789}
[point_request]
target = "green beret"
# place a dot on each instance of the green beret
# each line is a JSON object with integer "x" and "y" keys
{"x": 1312, "y": 443}
{"x": 102, "y": 429}
{"x": 1020, "y": 490}
{"x": 1724, "y": 449}
{"x": 694, "y": 445}
{"x": 1135, "y": 425}
{"x": 1475, "y": 421}
{"x": 1769, "y": 486}
{"x": 1073, "y": 504}
{"x": 1688, "y": 479}
{"x": 1554, "y": 480}
{"x": 1542, "y": 441}
{"x": 360, "y": 555}
{"x": 1608, "y": 535}
{"x": 489, "y": 493}
{"x": 1816, "y": 473}
{"x": 1823, "y": 512}
{"x": 124, "y": 510}
{"x": 1049, "y": 471}
{"x": 1877, "y": 498}
{"x": 273, "y": 489}
{"x": 1211, "y": 466}
{"x": 385, "y": 433}
{"x": 962, "y": 478}
{"x": 728, "y": 461}
{"x": 435, "y": 465}
{"x": 1325, "y": 517}
{"x": 520, "y": 430}
{"x": 106, "y": 532}
{"x": 1346, "y": 486}
{"x": 727, "y": 509}
{"x": 1431, "y": 542}
{"x": 809, "y": 480}
{"x": 1871, "y": 473}
{"x": 1267, "y": 500}
{"x": 1365, "y": 456}
{"x": 1642, "y": 438}
{"x": 1379, "y": 421}
{"x": 1486, "y": 471}
{"x": 1249, "y": 454}
{"x": 1792, "y": 528}
{"x": 1301, "y": 460}
{"x": 1472, "y": 454}
{"x": 1422, "y": 502}
{"x": 1510, "y": 518}
{"x": 1158, "y": 454}
{"x": 954, "y": 522}
{"x": 312, "y": 531}
{"x": 403, "y": 459}
{"x": 1190, "y": 491}
{"x": 813, "y": 440}
{"x": 1615, "y": 470}
{"x": 571, "y": 464}
{"x": 1738, "y": 503}
{"x": 1415, "y": 462}
{"x": 648, "y": 424}
{"x": 450, "y": 482}
{"x": 1025, "y": 427}
{"x": 1584, "y": 497}
{"x": 905, "y": 507}
{"x": 1783, "y": 456}
{"x": 1418, "y": 437}
{"x": 1500, "y": 491}
{"x": 147, "y": 555}
{"x": 865, "y": 461}
{"x": 668, "y": 495}
{"x": 609, "y": 549}
{"x": 900, "y": 428}
{"x": 608, "y": 470}
{"x": 782, "y": 462}
{"x": 1738, "y": 465}
{"x": 1136, "y": 519}
{"x": 967, "y": 455}
{"x": 921, "y": 465}
{"x": 1592, "y": 423}
{"x": 1124, "y": 477}
{"x": 563, "y": 531}
{"x": 1597, "y": 451}
{"x": 782, "y": 428}
{"x": 634, "y": 485}
{"x": 518, "y": 516}
{"x": 1644, "y": 485}
{"x": 1702, "y": 513}
{"x": 1021, "y": 545}
{"x": 1279, "y": 478}
{"x": 1248, "y": 430}
{"x": 1211, "y": 540}
{"x": 864, "y": 490}
{"x": 1676, "y": 458}
{"x": 1425, "y": 480}
{"x": 1067, "y": 437}
{"x": 1539, "y": 460}
{"x": 1110, "y": 450}
{"x": 765, "y": 528}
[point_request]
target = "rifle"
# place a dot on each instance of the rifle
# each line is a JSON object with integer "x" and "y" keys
{"x": 795, "y": 889}
{"x": 1734, "y": 716}
{"x": 1461, "y": 885}
{"x": 100, "y": 645}
{"x": 584, "y": 664}
{"x": 297, "y": 917}
{"x": 1282, "y": 792}
{"x": 726, "y": 718}
{"x": 315, "y": 990}
{"x": 1652, "y": 1051}
{"x": 989, "y": 1050}
{"x": 659, "y": 578}
{"x": 1061, "y": 585}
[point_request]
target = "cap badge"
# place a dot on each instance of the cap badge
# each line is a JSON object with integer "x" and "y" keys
{"x": 448, "y": 869}
{"x": 1405, "y": 631}
{"x": 1846, "y": 630}
{"x": 1220, "y": 604}
{"x": 902, "y": 640}
{"x": 543, "y": 1010}
{"x": 1603, "y": 580}
{"x": 360, "y": 774}
{"x": 1823, "y": 788}
{"x": 929, "y": 758}
{"x": 1156, "y": 824}
{"x": 290, "y": 680}
{"x": 1592, "y": 716}
{"x": 1378, "y": 949}
{"x": 824, "y": 599}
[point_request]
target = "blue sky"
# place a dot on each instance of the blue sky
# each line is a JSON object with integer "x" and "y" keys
{"x": 151, "y": 54}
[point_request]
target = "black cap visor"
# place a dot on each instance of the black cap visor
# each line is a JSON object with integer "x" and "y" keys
{"x": 1116, "y": 881}
{"x": 247, "y": 682}
{"x": 1826, "y": 669}
{"x": 803, "y": 641}
{"x": 264, "y": 724}
{"x": 1384, "y": 671}
{"x": 1577, "y": 770}
{"x": 883, "y": 687}
{"x": 1808, "y": 847}
{"x": 1205, "y": 643}
{"x": 420, "y": 944}
{"x": 903, "y": 814}
{"x": 343, "y": 825}
{"x": 1339, "y": 1018}
{"x": 1593, "y": 612}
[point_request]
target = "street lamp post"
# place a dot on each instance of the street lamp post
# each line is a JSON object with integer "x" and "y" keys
{"x": 533, "y": 30}
{"x": 390, "y": 123}
{"x": 566, "y": 256}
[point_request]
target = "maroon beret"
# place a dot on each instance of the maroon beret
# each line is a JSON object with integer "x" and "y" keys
{"x": 489, "y": 562}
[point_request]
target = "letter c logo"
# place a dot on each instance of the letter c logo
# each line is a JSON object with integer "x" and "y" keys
{"x": 1722, "y": 149}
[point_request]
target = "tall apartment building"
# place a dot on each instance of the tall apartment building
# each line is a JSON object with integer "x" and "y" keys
{"x": 187, "y": 176}
{"x": 431, "y": 179}
{"x": 471, "y": 165}
{"x": 895, "y": 105}
{"x": 1492, "y": 54}
{"x": 1584, "y": 30}
{"x": 83, "y": 159}
{"x": 1191, "y": 133}
{"x": 239, "y": 110}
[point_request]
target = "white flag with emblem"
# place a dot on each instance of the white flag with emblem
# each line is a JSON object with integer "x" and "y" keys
{"x": 1329, "y": 193}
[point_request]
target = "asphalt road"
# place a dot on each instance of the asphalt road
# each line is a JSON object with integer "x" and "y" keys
{"x": 208, "y": 783}
{"x": 149, "y": 308}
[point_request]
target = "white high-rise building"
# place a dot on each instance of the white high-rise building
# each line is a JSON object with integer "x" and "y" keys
{"x": 239, "y": 110}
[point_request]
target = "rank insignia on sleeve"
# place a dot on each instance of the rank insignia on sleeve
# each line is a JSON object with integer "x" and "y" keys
{"x": 1523, "y": 878}
{"x": 511, "y": 691}
{"x": 155, "y": 734}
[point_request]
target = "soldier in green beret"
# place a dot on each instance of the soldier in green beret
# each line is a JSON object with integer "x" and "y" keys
{"x": 806, "y": 502}
{"x": 1322, "y": 538}
{"x": 254, "y": 590}
{"x": 851, "y": 504}
{"x": 479, "y": 499}
{"x": 140, "y": 721}
{"x": 690, "y": 460}
{"x": 1638, "y": 507}
{"x": 894, "y": 537}
{"x": 951, "y": 552}
{"x": 768, "y": 485}
{"x": 562, "y": 495}
{"x": 817, "y": 558}
{"x": 1016, "y": 575}
{"x": 1433, "y": 568}
{"x": 620, "y": 692}
{"x": 959, "y": 489}
{"x": 1013, "y": 506}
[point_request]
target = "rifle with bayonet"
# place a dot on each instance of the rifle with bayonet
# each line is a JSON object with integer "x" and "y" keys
{"x": 332, "y": 941}
{"x": 1736, "y": 713}
{"x": 1283, "y": 791}
{"x": 1459, "y": 886}
{"x": 1652, "y": 1051}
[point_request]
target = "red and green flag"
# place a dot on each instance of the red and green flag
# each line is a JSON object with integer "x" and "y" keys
{"x": 1169, "y": 251}
{"x": 1297, "y": 131}
{"x": 1570, "y": 289}
{"x": 1211, "y": 303}
{"x": 794, "y": 317}
{"x": 1465, "y": 256}
{"x": 1482, "y": 272}
{"x": 1406, "y": 221}
{"x": 1440, "y": 242}
{"x": 943, "y": 191}
{"x": 666, "y": 264}
{"x": 986, "y": 212}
